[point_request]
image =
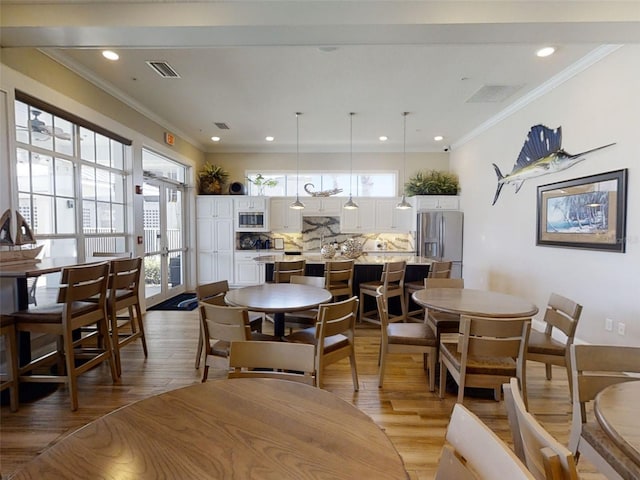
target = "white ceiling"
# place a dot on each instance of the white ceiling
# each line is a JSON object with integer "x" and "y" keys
{"x": 252, "y": 65}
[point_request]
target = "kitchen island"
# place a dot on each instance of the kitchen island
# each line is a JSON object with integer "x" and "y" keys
{"x": 368, "y": 267}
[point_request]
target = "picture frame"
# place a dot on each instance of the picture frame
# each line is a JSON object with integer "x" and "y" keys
{"x": 278, "y": 243}
{"x": 588, "y": 212}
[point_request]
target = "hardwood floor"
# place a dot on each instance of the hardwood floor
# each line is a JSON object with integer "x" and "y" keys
{"x": 414, "y": 419}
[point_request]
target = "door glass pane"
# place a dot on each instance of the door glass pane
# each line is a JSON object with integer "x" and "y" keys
{"x": 174, "y": 218}
{"x": 152, "y": 275}
{"x": 151, "y": 211}
{"x": 66, "y": 215}
{"x": 175, "y": 269}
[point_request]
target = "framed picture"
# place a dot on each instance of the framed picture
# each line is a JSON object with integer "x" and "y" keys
{"x": 588, "y": 212}
{"x": 278, "y": 243}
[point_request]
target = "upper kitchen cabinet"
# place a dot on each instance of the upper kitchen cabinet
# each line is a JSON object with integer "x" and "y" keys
{"x": 251, "y": 214}
{"x": 436, "y": 202}
{"x": 361, "y": 219}
{"x": 214, "y": 206}
{"x": 389, "y": 219}
{"x": 282, "y": 218}
{"x": 322, "y": 206}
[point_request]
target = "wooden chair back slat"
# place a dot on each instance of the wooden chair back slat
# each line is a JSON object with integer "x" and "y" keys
{"x": 335, "y": 318}
{"x": 440, "y": 270}
{"x": 282, "y": 271}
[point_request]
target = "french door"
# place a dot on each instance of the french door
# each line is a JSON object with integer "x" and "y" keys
{"x": 164, "y": 240}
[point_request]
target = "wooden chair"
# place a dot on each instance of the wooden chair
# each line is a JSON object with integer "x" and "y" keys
{"x": 286, "y": 361}
{"x": 544, "y": 456}
{"x": 333, "y": 336}
{"x": 406, "y": 338}
{"x": 392, "y": 283}
{"x": 305, "y": 318}
{"x": 338, "y": 275}
{"x": 436, "y": 270}
{"x": 73, "y": 311}
{"x": 474, "y": 452}
{"x": 124, "y": 293}
{"x": 222, "y": 325}
{"x": 488, "y": 353}
{"x": 214, "y": 293}
{"x": 562, "y": 314}
{"x": 10, "y": 378}
{"x": 442, "y": 322}
{"x": 283, "y": 270}
{"x": 595, "y": 367}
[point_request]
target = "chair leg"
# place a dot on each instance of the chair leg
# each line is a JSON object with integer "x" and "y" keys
{"x": 431, "y": 362}
{"x": 69, "y": 358}
{"x": 354, "y": 370}
{"x": 199, "y": 349}
{"x": 381, "y": 361}
{"x": 9, "y": 333}
{"x": 115, "y": 341}
{"x": 443, "y": 379}
{"x": 205, "y": 372}
{"x": 143, "y": 337}
{"x": 547, "y": 368}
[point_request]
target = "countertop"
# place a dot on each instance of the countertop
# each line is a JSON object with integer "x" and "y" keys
{"x": 364, "y": 259}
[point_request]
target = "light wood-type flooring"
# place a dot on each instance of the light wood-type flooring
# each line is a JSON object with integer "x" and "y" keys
{"x": 414, "y": 418}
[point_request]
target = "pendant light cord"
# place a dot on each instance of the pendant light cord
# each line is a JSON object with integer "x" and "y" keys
{"x": 297, "y": 153}
{"x": 351, "y": 114}
{"x": 404, "y": 149}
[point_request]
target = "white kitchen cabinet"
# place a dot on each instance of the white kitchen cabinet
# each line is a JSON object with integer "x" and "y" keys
{"x": 251, "y": 214}
{"x": 322, "y": 206}
{"x": 249, "y": 204}
{"x": 282, "y": 218}
{"x": 361, "y": 219}
{"x": 437, "y": 202}
{"x": 389, "y": 219}
{"x": 215, "y": 239}
{"x": 247, "y": 270}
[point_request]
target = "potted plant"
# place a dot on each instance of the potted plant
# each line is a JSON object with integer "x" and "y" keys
{"x": 211, "y": 179}
{"x": 432, "y": 182}
{"x": 261, "y": 182}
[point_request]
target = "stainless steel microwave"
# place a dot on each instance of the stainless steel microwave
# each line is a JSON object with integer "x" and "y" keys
{"x": 251, "y": 221}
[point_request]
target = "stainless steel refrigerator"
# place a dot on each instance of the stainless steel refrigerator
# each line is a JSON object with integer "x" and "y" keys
{"x": 439, "y": 236}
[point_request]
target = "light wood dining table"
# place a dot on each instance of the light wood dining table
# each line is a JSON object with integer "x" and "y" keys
{"x": 481, "y": 303}
{"x": 224, "y": 429}
{"x": 616, "y": 410}
{"x": 278, "y": 298}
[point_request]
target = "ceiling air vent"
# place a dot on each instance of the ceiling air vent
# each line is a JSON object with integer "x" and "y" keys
{"x": 222, "y": 125}
{"x": 163, "y": 69}
{"x": 493, "y": 93}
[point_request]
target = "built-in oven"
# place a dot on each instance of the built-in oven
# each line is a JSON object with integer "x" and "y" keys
{"x": 251, "y": 221}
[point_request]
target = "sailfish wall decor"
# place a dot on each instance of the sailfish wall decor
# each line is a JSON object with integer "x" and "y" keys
{"x": 541, "y": 154}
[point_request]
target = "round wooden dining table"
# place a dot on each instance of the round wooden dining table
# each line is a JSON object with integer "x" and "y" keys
{"x": 481, "y": 303}
{"x": 278, "y": 298}
{"x": 616, "y": 409}
{"x": 224, "y": 429}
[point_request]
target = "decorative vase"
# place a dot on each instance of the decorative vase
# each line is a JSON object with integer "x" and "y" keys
{"x": 351, "y": 248}
{"x": 327, "y": 251}
{"x": 210, "y": 187}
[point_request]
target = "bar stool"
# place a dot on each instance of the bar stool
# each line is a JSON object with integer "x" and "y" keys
{"x": 8, "y": 331}
{"x": 74, "y": 310}
{"x": 338, "y": 275}
{"x": 436, "y": 270}
{"x": 282, "y": 271}
{"x": 392, "y": 283}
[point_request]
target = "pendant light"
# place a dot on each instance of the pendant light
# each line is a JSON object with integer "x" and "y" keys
{"x": 404, "y": 205}
{"x": 297, "y": 205}
{"x": 350, "y": 205}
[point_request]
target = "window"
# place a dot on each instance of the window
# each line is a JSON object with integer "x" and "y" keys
{"x": 71, "y": 181}
{"x": 374, "y": 184}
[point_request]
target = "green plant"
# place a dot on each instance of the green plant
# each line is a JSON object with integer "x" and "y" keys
{"x": 261, "y": 181}
{"x": 432, "y": 182}
{"x": 211, "y": 178}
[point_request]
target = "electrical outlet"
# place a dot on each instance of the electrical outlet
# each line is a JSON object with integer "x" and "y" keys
{"x": 608, "y": 325}
{"x": 621, "y": 328}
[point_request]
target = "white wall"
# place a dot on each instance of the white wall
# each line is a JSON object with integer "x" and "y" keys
{"x": 598, "y": 106}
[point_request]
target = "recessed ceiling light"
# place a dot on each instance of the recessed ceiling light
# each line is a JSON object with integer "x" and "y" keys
{"x": 110, "y": 55}
{"x": 215, "y": 139}
{"x": 383, "y": 138}
{"x": 545, "y": 52}
{"x": 438, "y": 138}
{"x": 269, "y": 138}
